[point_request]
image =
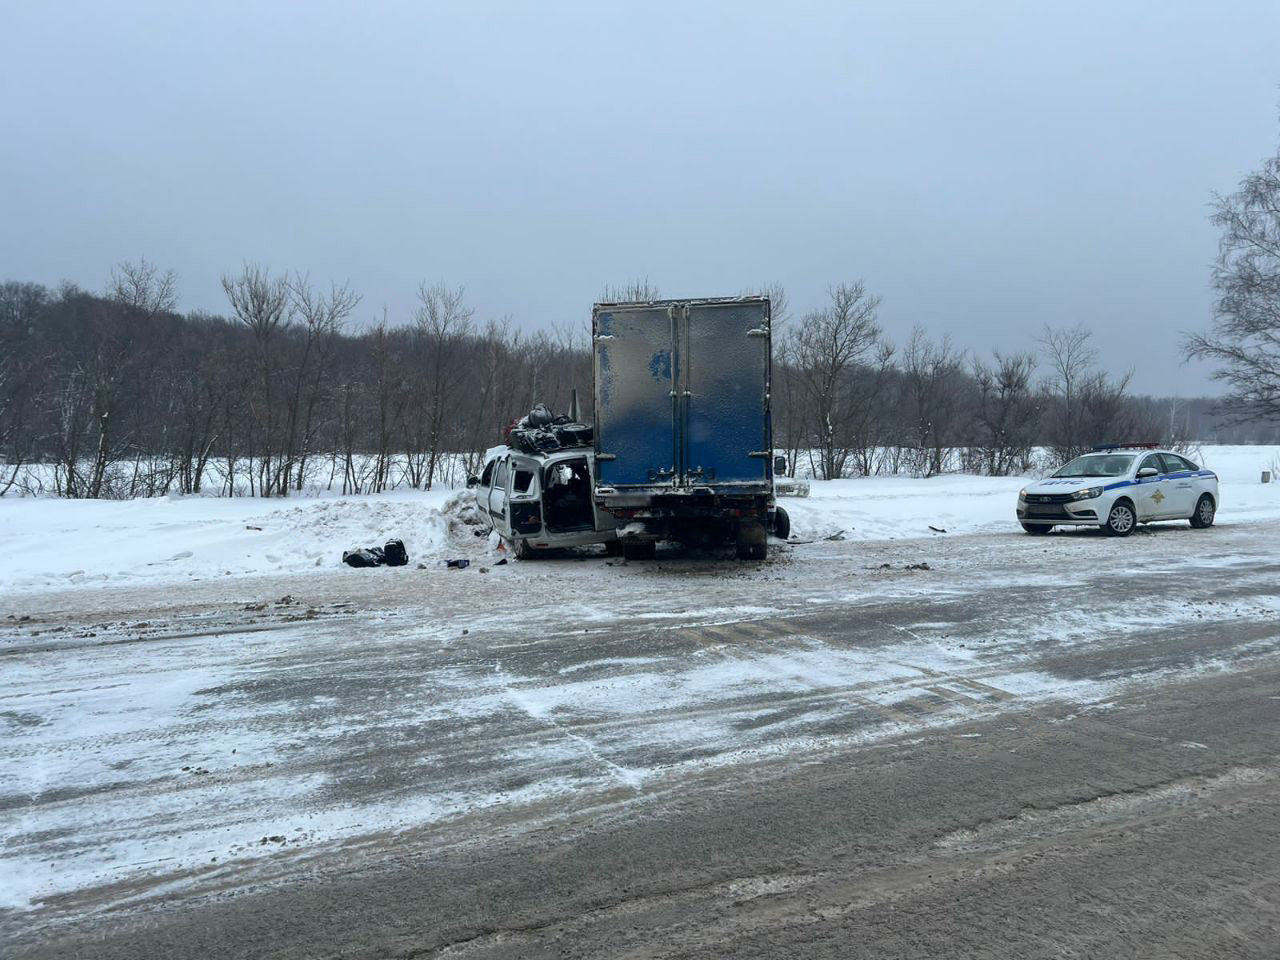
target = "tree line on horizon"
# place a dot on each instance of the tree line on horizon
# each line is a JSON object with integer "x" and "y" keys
{"x": 118, "y": 394}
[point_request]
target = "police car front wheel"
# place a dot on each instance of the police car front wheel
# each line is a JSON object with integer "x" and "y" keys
{"x": 1121, "y": 520}
{"x": 1205, "y": 509}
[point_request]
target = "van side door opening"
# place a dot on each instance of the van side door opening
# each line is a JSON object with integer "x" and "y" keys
{"x": 498, "y": 496}
{"x": 566, "y": 496}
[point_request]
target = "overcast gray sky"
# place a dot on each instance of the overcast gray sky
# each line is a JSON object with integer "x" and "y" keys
{"x": 984, "y": 167}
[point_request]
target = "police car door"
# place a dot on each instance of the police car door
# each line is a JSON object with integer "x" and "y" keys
{"x": 1180, "y": 485}
{"x": 1152, "y": 493}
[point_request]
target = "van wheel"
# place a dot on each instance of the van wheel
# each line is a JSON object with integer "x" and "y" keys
{"x": 613, "y": 548}
{"x": 521, "y": 550}
{"x": 1205, "y": 510}
{"x": 752, "y": 541}
{"x": 781, "y": 524}
{"x": 639, "y": 549}
{"x": 1121, "y": 520}
{"x": 1037, "y": 529}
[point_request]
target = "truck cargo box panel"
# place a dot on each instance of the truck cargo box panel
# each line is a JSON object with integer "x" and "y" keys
{"x": 725, "y": 374}
{"x": 633, "y": 357}
{"x": 682, "y": 395}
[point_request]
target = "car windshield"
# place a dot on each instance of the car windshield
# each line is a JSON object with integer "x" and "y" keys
{"x": 1097, "y": 465}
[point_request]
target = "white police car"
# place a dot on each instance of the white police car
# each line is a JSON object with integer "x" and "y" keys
{"x": 1117, "y": 488}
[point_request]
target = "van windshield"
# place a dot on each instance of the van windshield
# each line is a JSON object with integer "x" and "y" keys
{"x": 1097, "y": 465}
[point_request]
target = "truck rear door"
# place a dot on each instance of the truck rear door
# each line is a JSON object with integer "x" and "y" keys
{"x": 723, "y": 385}
{"x": 634, "y": 401}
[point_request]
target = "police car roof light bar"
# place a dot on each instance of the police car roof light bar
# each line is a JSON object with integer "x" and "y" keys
{"x": 1100, "y": 447}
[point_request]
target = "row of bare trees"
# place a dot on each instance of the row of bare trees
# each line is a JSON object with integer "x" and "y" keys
{"x": 118, "y": 394}
{"x": 853, "y": 404}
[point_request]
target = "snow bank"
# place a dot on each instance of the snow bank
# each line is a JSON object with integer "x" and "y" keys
{"x": 882, "y": 508}
{"x": 1239, "y": 470}
{"x": 879, "y": 508}
{"x": 53, "y": 543}
{"x": 66, "y": 543}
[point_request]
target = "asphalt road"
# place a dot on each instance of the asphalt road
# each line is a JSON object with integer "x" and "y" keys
{"x": 995, "y": 746}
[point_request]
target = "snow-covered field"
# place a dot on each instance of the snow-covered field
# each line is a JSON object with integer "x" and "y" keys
{"x": 56, "y": 544}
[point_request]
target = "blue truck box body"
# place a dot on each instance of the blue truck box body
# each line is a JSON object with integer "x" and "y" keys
{"x": 682, "y": 406}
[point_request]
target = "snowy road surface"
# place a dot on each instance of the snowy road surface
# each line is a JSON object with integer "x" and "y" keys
{"x": 686, "y": 757}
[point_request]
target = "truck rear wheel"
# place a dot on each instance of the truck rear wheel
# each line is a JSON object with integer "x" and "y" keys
{"x": 781, "y": 524}
{"x": 752, "y": 541}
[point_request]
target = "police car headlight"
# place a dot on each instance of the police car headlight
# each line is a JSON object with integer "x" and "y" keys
{"x": 1022, "y": 494}
{"x": 1087, "y": 494}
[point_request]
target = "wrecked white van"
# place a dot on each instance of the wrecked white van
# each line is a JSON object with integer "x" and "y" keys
{"x": 540, "y": 501}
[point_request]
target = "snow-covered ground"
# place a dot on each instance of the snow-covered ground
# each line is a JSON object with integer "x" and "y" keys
{"x": 162, "y": 739}
{"x": 168, "y": 720}
{"x": 55, "y": 544}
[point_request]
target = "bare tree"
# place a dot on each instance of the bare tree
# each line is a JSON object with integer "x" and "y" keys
{"x": 260, "y": 302}
{"x": 388, "y": 398}
{"x": 143, "y": 287}
{"x": 1070, "y": 356}
{"x": 932, "y": 379}
{"x": 20, "y": 307}
{"x": 1007, "y": 418}
{"x": 322, "y": 317}
{"x": 779, "y": 303}
{"x": 443, "y": 323}
{"x": 826, "y": 350}
{"x": 1245, "y": 337}
{"x": 98, "y": 385}
{"x": 1106, "y": 413}
{"x": 633, "y": 291}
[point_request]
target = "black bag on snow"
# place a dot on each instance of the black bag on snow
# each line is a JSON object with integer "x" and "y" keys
{"x": 372, "y": 557}
{"x": 394, "y": 554}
